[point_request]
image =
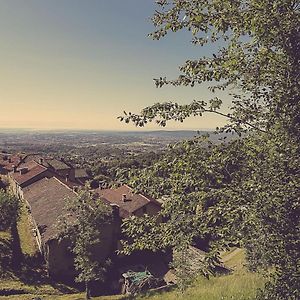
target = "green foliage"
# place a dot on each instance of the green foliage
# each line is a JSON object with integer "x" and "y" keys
{"x": 245, "y": 191}
{"x": 9, "y": 209}
{"x": 83, "y": 226}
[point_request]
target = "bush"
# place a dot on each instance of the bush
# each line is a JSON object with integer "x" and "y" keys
{"x": 9, "y": 209}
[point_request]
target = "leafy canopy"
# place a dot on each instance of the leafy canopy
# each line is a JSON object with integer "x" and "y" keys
{"x": 83, "y": 226}
{"x": 9, "y": 209}
{"x": 244, "y": 192}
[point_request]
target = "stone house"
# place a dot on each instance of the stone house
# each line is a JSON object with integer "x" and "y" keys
{"x": 46, "y": 199}
{"x": 129, "y": 203}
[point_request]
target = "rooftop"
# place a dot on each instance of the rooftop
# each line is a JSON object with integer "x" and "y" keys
{"x": 32, "y": 168}
{"x": 46, "y": 198}
{"x": 126, "y": 199}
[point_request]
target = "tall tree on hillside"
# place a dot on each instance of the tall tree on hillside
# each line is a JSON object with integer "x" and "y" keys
{"x": 245, "y": 191}
{"x": 83, "y": 225}
{"x": 9, "y": 209}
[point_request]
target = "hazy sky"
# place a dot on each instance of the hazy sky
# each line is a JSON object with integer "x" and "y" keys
{"x": 80, "y": 63}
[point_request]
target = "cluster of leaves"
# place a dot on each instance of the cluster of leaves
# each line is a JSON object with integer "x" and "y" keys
{"x": 83, "y": 226}
{"x": 9, "y": 209}
{"x": 246, "y": 191}
{"x": 242, "y": 193}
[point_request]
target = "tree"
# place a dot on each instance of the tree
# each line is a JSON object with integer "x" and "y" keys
{"x": 83, "y": 225}
{"x": 9, "y": 210}
{"x": 245, "y": 191}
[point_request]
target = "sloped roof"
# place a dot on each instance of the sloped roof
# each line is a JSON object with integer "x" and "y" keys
{"x": 34, "y": 169}
{"x": 133, "y": 201}
{"x": 81, "y": 173}
{"x": 57, "y": 164}
{"x": 7, "y": 161}
{"x": 47, "y": 198}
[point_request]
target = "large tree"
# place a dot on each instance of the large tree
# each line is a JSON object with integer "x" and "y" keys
{"x": 9, "y": 209}
{"x": 245, "y": 191}
{"x": 83, "y": 225}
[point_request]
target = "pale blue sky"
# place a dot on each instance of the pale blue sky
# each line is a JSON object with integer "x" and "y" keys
{"x": 80, "y": 63}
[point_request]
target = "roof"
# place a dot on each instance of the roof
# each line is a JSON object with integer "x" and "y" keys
{"x": 57, "y": 164}
{"x": 8, "y": 161}
{"x": 34, "y": 169}
{"x": 81, "y": 173}
{"x": 133, "y": 203}
{"x": 32, "y": 156}
{"x": 46, "y": 198}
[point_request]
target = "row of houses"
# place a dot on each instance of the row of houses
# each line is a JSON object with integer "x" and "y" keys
{"x": 44, "y": 184}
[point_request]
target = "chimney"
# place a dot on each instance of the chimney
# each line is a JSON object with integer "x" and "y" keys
{"x": 23, "y": 171}
{"x": 125, "y": 198}
{"x": 41, "y": 161}
{"x": 14, "y": 168}
{"x": 67, "y": 177}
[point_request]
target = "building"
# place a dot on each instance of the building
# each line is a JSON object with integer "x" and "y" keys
{"x": 129, "y": 203}
{"x": 46, "y": 200}
{"x": 45, "y": 184}
{"x": 27, "y": 174}
{"x": 8, "y": 162}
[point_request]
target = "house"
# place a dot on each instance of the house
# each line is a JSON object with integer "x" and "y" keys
{"x": 60, "y": 167}
{"x": 46, "y": 201}
{"x": 44, "y": 184}
{"x": 8, "y": 162}
{"x": 81, "y": 176}
{"x": 129, "y": 203}
{"x": 26, "y": 174}
{"x": 28, "y": 171}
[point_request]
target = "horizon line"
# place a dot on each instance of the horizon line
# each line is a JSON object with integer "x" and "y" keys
{"x": 106, "y": 130}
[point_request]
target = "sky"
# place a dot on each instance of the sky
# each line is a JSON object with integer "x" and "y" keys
{"x": 78, "y": 64}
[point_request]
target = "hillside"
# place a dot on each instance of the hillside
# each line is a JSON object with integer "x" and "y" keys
{"x": 241, "y": 284}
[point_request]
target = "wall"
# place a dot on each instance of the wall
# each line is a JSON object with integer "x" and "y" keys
{"x": 60, "y": 260}
{"x": 150, "y": 209}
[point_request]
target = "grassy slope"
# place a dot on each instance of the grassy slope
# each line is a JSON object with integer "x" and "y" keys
{"x": 27, "y": 241}
{"x": 13, "y": 281}
{"x": 240, "y": 285}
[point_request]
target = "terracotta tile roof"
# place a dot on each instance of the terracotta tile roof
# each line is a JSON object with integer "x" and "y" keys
{"x": 7, "y": 161}
{"x": 34, "y": 169}
{"x": 46, "y": 198}
{"x": 132, "y": 203}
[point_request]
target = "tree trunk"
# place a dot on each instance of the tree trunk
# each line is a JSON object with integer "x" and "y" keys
{"x": 87, "y": 291}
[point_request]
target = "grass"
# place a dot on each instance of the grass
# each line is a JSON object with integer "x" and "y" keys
{"x": 27, "y": 241}
{"x": 80, "y": 296}
{"x": 240, "y": 285}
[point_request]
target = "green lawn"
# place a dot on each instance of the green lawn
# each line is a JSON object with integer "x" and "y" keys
{"x": 240, "y": 285}
{"x": 63, "y": 297}
{"x": 27, "y": 241}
